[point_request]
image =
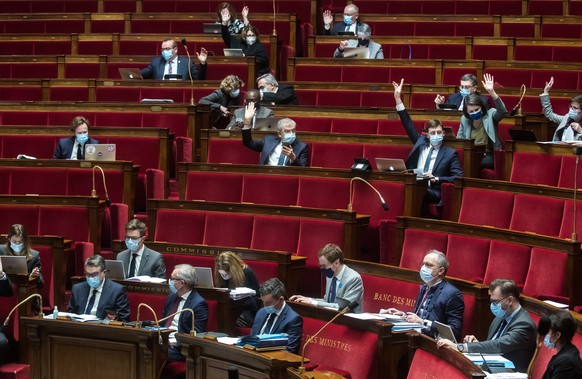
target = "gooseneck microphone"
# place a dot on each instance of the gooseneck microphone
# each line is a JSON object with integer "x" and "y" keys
{"x": 94, "y": 191}
{"x": 185, "y": 44}
{"x": 384, "y": 204}
{"x": 353, "y": 305}
{"x": 517, "y": 108}
{"x": 19, "y": 304}
{"x": 193, "y": 330}
{"x": 138, "y": 324}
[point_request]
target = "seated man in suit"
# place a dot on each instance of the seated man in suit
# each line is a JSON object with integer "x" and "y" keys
{"x": 429, "y": 158}
{"x": 272, "y": 93}
{"x": 7, "y": 291}
{"x": 512, "y": 333}
{"x": 169, "y": 63}
{"x": 437, "y": 300}
{"x": 139, "y": 259}
{"x": 184, "y": 296}
{"x": 74, "y": 147}
{"x": 98, "y": 295}
{"x": 341, "y": 281}
{"x": 284, "y": 149}
{"x": 350, "y": 22}
{"x": 468, "y": 86}
{"x": 252, "y": 96}
{"x": 277, "y": 316}
{"x": 364, "y": 32}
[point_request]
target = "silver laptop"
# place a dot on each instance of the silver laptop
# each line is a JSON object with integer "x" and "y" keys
{"x": 390, "y": 164}
{"x": 130, "y": 73}
{"x": 212, "y": 28}
{"x": 233, "y": 52}
{"x": 444, "y": 331}
{"x": 114, "y": 269}
{"x": 204, "y": 275}
{"x": 266, "y": 123}
{"x": 14, "y": 264}
{"x": 100, "y": 152}
{"x": 356, "y": 52}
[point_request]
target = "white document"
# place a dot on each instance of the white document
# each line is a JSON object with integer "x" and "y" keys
{"x": 228, "y": 340}
{"x": 365, "y": 316}
{"x": 146, "y": 279}
{"x": 241, "y": 293}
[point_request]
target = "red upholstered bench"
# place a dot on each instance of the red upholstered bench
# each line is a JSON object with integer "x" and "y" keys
{"x": 217, "y": 186}
{"x": 417, "y": 243}
{"x": 230, "y": 151}
{"x": 14, "y": 371}
{"x": 475, "y": 203}
{"x": 543, "y": 216}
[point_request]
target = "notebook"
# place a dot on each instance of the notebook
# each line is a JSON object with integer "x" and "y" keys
{"x": 211, "y": 28}
{"x": 114, "y": 269}
{"x": 445, "y": 331}
{"x": 204, "y": 275}
{"x": 233, "y": 52}
{"x": 100, "y": 152}
{"x": 356, "y": 52}
{"x": 14, "y": 264}
{"x": 390, "y": 165}
{"x": 522, "y": 135}
{"x": 130, "y": 73}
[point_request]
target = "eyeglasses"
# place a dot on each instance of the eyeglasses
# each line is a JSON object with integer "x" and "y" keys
{"x": 436, "y": 133}
{"x": 251, "y": 35}
{"x": 175, "y": 279}
{"x": 132, "y": 238}
{"x": 497, "y": 302}
{"x": 93, "y": 275}
{"x": 168, "y": 48}
{"x": 350, "y": 14}
{"x": 575, "y": 109}
{"x": 466, "y": 87}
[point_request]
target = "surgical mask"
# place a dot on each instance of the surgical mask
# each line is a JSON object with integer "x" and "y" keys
{"x": 435, "y": 139}
{"x": 363, "y": 42}
{"x": 131, "y": 244}
{"x": 94, "y": 282}
{"x": 574, "y": 115}
{"x": 549, "y": 345}
{"x": 263, "y": 89}
{"x": 167, "y": 54}
{"x": 82, "y": 137}
{"x": 328, "y": 272}
{"x": 348, "y": 20}
{"x": 251, "y": 40}
{"x": 426, "y": 274}
{"x": 225, "y": 276}
{"x": 16, "y": 247}
{"x": 270, "y": 309}
{"x": 465, "y": 92}
{"x": 235, "y": 92}
{"x": 497, "y": 310}
{"x": 476, "y": 115}
{"x": 288, "y": 138}
{"x": 171, "y": 285}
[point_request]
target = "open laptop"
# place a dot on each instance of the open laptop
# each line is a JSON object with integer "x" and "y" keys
{"x": 204, "y": 275}
{"x": 522, "y": 135}
{"x": 211, "y": 28}
{"x": 448, "y": 132}
{"x": 130, "y": 73}
{"x": 444, "y": 331}
{"x": 356, "y": 52}
{"x": 114, "y": 269}
{"x": 14, "y": 264}
{"x": 100, "y": 152}
{"x": 447, "y": 106}
{"x": 233, "y": 52}
{"x": 266, "y": 123}
{"x": 390, "y": 165}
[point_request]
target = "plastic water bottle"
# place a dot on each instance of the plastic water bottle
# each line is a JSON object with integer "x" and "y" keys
{"x": 55, "y": 313}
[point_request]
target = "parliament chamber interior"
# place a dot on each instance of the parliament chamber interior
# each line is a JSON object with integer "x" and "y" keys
{"x": 202, "y": 192}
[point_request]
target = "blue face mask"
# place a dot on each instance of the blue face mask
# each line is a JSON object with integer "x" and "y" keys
{"x": 574, "y": 115}
{"x": 497, "y": 310}
{"x": 263, "y": 89}
{"x": 270, "y": 309}
{"x": 94, "y": 282}
{"x": 288, "y": 138}
{"x": 328, "y": 272}
{"x": 435, "y": 139}
{"x": 131, "y": 244}
{"x": 348, "y": 20}
{"x": 167, "y": 54}
{"x": 235, "y": 93}
{"x": 82, "y": 137}
{"x": 426, "y": 274}
{"x": 465, "y": 92}
{"x": 16, "y": 247}
{"x": 476, "y": 115}
{"x": 171, "y": 285}
{"x": 547, "y": 343}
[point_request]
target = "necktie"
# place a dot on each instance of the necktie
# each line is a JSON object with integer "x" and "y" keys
{"x": 269, "y": 325}
{"x": 173, "y": 310}
{"x": 281, "y": 161}
{"x": 427, "y": 162}
{"x": 132, "y": 266}
{"x": 91, "y": 303}
{"x": 331, "y": 296}
{"x": 170, "y": 67}
{"x": 79, "y": 152}
{"x": 500, "y": 329}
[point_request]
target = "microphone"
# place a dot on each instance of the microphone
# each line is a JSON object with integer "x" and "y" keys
{"x": 274, "y": 18}
{"x": 484, "y": 365}
{"x": 138, "y": 324}
{"x": 353, "y": 305}
{"x": 94, "y": 191}
{"x": 19, "y": 304}
{"x": 384, "y": 204}
{"x": 185, "y": 44}
{"x": 193, "y": 329}
{"x": 517, "y": 108}
{"x": 577, "y": 151}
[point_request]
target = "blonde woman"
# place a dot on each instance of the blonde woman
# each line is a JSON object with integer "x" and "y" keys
{"x": 227, "y": 95}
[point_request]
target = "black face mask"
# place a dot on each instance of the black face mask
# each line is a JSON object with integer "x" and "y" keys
{"x": 363, "y": 42}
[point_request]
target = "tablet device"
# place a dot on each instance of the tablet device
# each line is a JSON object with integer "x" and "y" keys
{"x": 14, "y": 264}
{"x": 390, "y": 165}
{"x": 444, "y": 331}
{"x": 114, "y": 269}
{"x": 130, "y": 73}
{"x": 212, "y": 28}
{"x": 447, "y": 106}
{"x": 361, "y": 164}
{"x": 344, "y": 33}
{"x": 204, "y": 275}
{"x": 522, "y": 135}
{"x": 356, "y": 52}
{"x": 100, "y": 152}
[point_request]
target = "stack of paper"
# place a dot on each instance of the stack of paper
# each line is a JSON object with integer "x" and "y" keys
{"x": 147, "y": 279}
{"x": 241, "y": 293}
{"x": 407, "y": 326}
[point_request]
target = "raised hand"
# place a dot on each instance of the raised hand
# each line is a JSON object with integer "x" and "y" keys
{"x": 202, "y": 56}
{"x": 249, "y": 112}
{"x": 398, "y": 89}
{"x": 549, "y": 85}
{"x": 245, "y": 12}
{"x": 343, "y": 44}
{"x": 439, "y": 99}
{"x": 488, "y": 83}
{"x": 327, "y": 17}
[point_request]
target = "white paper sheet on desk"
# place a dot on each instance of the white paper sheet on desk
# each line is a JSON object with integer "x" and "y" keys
{"x": 84, "y": 318}
{"x": 365, "y": 316}
{"x": 508, "y": 375}
{"x": 407, "y": 326}
{"x": 228, "y": 340}
{"x": 146, "y": 279}
{"x": 242, "y": 292}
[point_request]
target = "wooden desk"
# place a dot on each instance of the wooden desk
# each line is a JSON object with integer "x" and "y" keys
{"x": 65, "y": 349}
{"x": 208, "y": 359}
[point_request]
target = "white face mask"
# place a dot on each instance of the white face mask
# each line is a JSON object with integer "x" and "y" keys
{"x": 251, "y": 40}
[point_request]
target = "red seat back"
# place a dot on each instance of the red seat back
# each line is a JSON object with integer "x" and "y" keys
{"x": 270, "y": 189}
{"x": 536, "y": 168}
{"x": 334, "y": 155}
{"x": 180, "y": 226}
{"x": 228, "y": 229}
{"x": 315, "y": 192}
{"x": 417, "y": 243}
{"x": 468, "y": 264}
{"x": 507, "y": 260}
{"x": 212, "y": 186}
{"x": 475, "y": 207}
{"x": 426, "y": 365}
{"x": 275, "y": 233}
{"x": 543, "y": 215}
{"x": 546, "y": 281}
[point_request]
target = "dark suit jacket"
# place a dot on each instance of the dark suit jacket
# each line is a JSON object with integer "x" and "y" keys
{"x": 267, "y": 145}
{"x": 256, "y": 50}
{"x": 155, "y": 70}
{"x": 65, "y": 147}
{"x": 113, "y": 296}
{"x": 339, "y": 27}
{"x": 285, "y": 95}
{"x": 151, "y": 264}
{"x": 517, "y": 343}
{"x": 565, "y": 365}
{"x": 288, "y": 322}
{"x": 6, "y": 289}
{"x": 194, "y": 302}
{"x": 215, "y": 100}
{"x": 457, "y": 99}
{"x": 446, "y": 306}
{"x": 31, "y": 265}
